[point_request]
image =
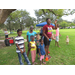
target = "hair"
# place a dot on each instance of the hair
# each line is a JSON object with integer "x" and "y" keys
{"x": 47, "y": 19}
{"x": 41, "y": 40}
{"x": 31, "y": 37}
{"x": 19, "y": 30}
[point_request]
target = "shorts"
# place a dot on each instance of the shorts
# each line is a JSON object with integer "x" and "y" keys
{"x": 41, "y": 57}
{"x": 46, "y": 42}
{"x": 57, "y": 38}
{"x": 37, "y": 50}
{"x": 6, "y": 36}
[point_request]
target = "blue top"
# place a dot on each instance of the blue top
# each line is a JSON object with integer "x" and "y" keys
{"x": 30, "y": 34}
{"x": 42, "y": 49}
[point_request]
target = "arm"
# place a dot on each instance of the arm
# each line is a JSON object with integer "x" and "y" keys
{"x": 27, "y": 38}
{"x": 39, "y": 52}
{"x": 55, "y": 24}
{"x": 45, "y": 34}
{"x": 59, "y": 34}
{"x": 19, "y": 48}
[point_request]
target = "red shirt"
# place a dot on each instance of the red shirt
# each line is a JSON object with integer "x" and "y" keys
{"x": 48, "y": 30}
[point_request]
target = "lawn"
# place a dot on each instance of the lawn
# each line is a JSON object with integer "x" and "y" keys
{"x": 59, "y": 56}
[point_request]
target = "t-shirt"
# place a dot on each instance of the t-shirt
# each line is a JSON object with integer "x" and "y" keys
{"x": 20, "y": 41}
{"x": 48, "y": 30}
{"x": 6, "y": 32}
{"x": 57, "y": 32}
{"x": 42, "y": 49}
{"x": 30, "y": 34}
{"x": 33, "y": 45}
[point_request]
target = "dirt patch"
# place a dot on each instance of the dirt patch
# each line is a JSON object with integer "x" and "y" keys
{"x": 2, "y": 44}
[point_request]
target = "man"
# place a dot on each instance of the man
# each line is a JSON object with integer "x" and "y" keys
{"x": 29, "y": 34}
{"x": 47, "y": 32}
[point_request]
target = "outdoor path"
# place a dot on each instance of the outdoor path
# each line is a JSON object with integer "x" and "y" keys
{"x": 25, "y": 40}
{"x": 1, "y": 40}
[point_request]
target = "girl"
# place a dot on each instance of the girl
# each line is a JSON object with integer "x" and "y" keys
{"x": 37, "y": 43}
{"x": 67, "y": 40}
{"x": 42, "y": 51}
{"x": 57, "y": 36}
{"x": 32, "y": 46}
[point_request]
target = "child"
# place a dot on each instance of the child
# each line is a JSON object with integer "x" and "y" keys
{"x": 37, "y": 43}
{"x": 32, "y": 46}
{"x": 20, "y": 47}
{"x": 67, "y": 40}
{"x": 57, "y": 36}
{"x": 6, "y": 33}
{"x": 42, "y": 51}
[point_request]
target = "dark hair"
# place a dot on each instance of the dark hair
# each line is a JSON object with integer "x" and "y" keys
{"x": 19, "y": 30}
{"x": 31, "y": 37}
{"x": 47, "y": 19}
{"x": 41, "y": 40}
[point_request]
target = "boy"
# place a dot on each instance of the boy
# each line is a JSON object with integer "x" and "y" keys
{"x": 20, "y": 47}
{"x": 6, "y": 33}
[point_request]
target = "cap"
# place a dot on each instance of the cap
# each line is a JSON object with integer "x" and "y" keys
{"x": 31, "y": 27}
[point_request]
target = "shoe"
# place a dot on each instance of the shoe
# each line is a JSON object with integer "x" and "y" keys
{"x": 48, "y": 52}
{"x": 46, "y": 59}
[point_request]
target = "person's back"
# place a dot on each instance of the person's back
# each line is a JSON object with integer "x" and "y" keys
{"x": 6, "y": 33}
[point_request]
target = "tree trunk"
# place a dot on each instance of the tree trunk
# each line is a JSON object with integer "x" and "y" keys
{"x": 4, "y": 13}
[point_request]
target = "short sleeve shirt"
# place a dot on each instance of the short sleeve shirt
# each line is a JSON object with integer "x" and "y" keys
{"x": 48, "y": 30}
{"x": 20, "y": 41}
{"x": 6, "y": 32}
{"x": 30, "y": 34}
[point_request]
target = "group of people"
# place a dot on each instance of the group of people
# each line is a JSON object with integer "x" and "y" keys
{"x": 41, "y": 45}
{"x": 36, "y": 43}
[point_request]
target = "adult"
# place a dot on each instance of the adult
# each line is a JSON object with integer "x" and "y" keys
{"x": 29, "y": 34}
{"x": 47, "y": 32}
{"x": 6, "y": 33}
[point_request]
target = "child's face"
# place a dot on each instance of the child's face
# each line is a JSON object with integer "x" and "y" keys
{"x": 41, "y": 41}
{"x": 33, "y": 39}
{"x": 37, "y": 37}
{"x": 57, "y": 25}
{"x": 67, "y": 36}
{"x": 19, "y": 33}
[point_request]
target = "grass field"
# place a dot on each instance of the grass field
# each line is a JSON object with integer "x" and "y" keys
{"x": 60, "y": 56}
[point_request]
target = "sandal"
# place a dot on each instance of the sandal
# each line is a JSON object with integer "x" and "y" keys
{"x": 44, "y": 63}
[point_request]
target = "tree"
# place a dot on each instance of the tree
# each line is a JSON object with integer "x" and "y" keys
{"x": 63, "y": 24}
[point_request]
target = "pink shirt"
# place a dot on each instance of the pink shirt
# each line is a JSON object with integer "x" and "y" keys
{"x": 57, "y": 32}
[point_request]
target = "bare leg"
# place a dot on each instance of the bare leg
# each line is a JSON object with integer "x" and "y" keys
{"x": 40, "y": 62}
{"x": 55, "y": 43}
{"x": 28, "y": 52}
{"x": 58, "y": 44}
{"x": 47, "y": 49}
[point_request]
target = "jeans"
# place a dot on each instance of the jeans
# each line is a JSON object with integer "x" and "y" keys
{"x": 26, "y": 58}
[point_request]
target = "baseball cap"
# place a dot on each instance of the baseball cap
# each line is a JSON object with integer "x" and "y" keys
{"x": 31, "y": 27}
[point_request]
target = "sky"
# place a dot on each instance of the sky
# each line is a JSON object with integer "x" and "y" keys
{"x": 68, "y": 18}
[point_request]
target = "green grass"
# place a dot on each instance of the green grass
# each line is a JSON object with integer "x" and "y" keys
{"x": 60, "y": 56}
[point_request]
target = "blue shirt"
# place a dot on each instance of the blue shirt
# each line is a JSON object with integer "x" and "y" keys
{"x": 30, "y": 34}
{"x": 42, "y": 49}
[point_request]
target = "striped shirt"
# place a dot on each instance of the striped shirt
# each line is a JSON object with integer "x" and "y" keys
{"x": 20, "y": 41}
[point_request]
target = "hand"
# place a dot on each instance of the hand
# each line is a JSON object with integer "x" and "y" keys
{"x": 55, "y": 21}
{"x": 21, "y": 51}
{"x": 24, "y": 51}
{"x": 48, "y": 39}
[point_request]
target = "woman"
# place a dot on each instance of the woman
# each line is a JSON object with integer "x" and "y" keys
{"x": 29, "y": 34}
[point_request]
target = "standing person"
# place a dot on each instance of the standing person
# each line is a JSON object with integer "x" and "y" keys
{"x": 29, "y": 34}
{"x": 57, "y": 36}
{"x": 42, "y": 51}
{"x": 6, "y": 33}
{"x": 67, "y": 40}
{"x": 20, "y": 47}
{"x": 32, "y": 46}
{"x": 37, "y": 43}
{"x": 47, "y": 32}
